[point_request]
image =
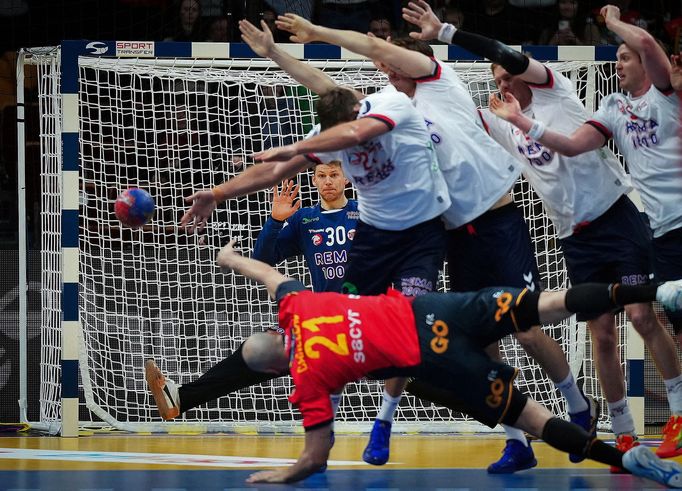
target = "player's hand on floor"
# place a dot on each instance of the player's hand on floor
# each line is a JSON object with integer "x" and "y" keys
{"x": 267, "y": 476}
{"x": 203, "y": 204}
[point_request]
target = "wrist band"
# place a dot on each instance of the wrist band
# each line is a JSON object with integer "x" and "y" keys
{"x": 446, "y": 32}
{"x": 537, "y": 130}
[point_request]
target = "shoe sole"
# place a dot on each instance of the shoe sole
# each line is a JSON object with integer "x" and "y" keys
{"x": 667, "y": 454}
{"x": 650, "y": 465}
{"x": 530, "y": 465}
{"x": 157, "y": 383}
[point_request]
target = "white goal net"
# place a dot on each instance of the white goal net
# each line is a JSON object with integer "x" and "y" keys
{"x": 172, "y": 126}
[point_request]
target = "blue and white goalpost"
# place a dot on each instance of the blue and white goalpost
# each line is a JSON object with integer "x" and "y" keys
{"x": 173, "y": 117}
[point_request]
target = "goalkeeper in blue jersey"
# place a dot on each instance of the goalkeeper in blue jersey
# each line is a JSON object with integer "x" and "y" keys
{"x": 322, "y": 233}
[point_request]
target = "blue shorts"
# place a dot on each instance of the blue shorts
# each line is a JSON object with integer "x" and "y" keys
{"x": 494, "y": 249}
{"x": 612, "y": 248}
{"x": 615, "y": 247}
{"x": 668, "y": 266}
{"x": 408, "y": 260}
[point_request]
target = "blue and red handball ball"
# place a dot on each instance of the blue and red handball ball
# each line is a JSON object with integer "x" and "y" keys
{"x": 134, "y": 207}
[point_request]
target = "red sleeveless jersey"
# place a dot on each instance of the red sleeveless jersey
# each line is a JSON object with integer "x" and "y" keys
{"x": 333, "y": 339}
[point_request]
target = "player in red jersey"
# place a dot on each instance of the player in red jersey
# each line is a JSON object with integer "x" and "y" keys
{"x": 331, "y": 339}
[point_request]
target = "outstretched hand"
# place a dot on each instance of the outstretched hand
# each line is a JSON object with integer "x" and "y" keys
{"x": 506, "y": 108}
{"x": 420, "y": 14}
{"x": 203, "y": 204}
{"x": 227, "y": 255}
{"x": 261, "y": 42}
{"x": 303, "y": 30}
{"x": 283, "y": 205}
{"x": 610, "y": 12}
{"x": 278, "y": 153}
{"x": 676, "y": 72}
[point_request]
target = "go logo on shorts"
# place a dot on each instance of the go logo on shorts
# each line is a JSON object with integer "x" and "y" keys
{"x": 439, "y": 344}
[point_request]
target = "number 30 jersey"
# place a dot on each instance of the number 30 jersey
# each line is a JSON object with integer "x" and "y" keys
{"x": 323, "y": 237}
{"x": 333, "y": 339}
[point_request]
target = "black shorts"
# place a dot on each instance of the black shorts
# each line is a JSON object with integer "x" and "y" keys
{"x": 408, "y": 260}
{"x": 453, "y": 330}
{"x": 494, "y": 249}
{"x": 612, "y": 248}
{"x": 668, "y": 266}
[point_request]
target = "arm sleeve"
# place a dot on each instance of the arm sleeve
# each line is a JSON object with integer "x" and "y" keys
{"x": 276, "y": 242}
{"x": 511, "y": 60}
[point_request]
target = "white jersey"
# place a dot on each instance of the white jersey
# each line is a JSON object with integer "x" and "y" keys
{"x": 396, "y": 175}
{"x": 574, "y": 190}
{"x": 647, "y": 132}
{"x": 477, "y": 170}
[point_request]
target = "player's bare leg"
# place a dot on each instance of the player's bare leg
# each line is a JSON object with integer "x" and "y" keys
{"x": 662, "y": 349}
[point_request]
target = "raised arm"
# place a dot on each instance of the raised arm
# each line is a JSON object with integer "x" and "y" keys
{"x": 584, "y": 139}
{"x": 263, "y": 44}
{"x": 406, "y": 62}
{"x": 338, "y": 137}
{"x": 420, "y": 14}
{"x": 654, "y": 59}
{"x": 254, "y": 178}
{"x": 229, "y": 259}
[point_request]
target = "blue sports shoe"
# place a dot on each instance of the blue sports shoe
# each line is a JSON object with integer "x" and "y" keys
{"x": 587, "y": 420}
{"x": 643, "y": 463}
{"x": 332, "y": 440}
{"x": 515, "y": 457}
{"x": 376, "y": 452}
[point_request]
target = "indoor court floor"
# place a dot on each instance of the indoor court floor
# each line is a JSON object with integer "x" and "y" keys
{"x": 121, "y": 462}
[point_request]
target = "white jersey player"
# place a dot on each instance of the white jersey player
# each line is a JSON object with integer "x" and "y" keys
{"x": 396, "y": 174}
{"x": 646, "y": 127}
{"x": 488, "y": 240}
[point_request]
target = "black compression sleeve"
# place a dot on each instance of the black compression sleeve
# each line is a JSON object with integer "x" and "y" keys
{"x": 571, "y": 438}
{"x": 511, "y": 60}
{"x": 599, "y": 298}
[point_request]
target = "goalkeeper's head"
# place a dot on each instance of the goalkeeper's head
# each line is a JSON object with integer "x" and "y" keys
{"x": 336, "y": 106}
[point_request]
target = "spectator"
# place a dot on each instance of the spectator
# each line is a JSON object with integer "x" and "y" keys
{"x": 570, "y": 26}
{"x": 188, "y": 25}
{"x": 499, "y": 20}
{"x": 453, "y": 15}
{"x": 220, "y": 30}
{"x": 380, "y": 27}
{"x": 304, "y": 8}
{"x": 269, "y": 16}
{"x": 353, "y": 15}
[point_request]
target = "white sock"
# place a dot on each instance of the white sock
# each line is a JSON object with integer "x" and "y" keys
{"x": 335, "y": 399}
{"x": 673, "y": 387}
{"x": 515, "y": 434}
{"x": 621, "y": 417}
{"x": 388, "y": 407}
{"x": 574, "y": 397}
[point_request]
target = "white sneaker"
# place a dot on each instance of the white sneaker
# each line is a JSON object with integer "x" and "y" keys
{"x": 670, "y": 295}
{"x": 643, "y": 463}
{"x": 165, "y": 391}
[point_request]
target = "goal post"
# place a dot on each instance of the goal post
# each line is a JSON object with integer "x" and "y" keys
{"x": 174, "y": 117}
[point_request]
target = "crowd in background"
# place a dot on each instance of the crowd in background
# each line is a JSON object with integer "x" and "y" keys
{"x": 46, "y": 22}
